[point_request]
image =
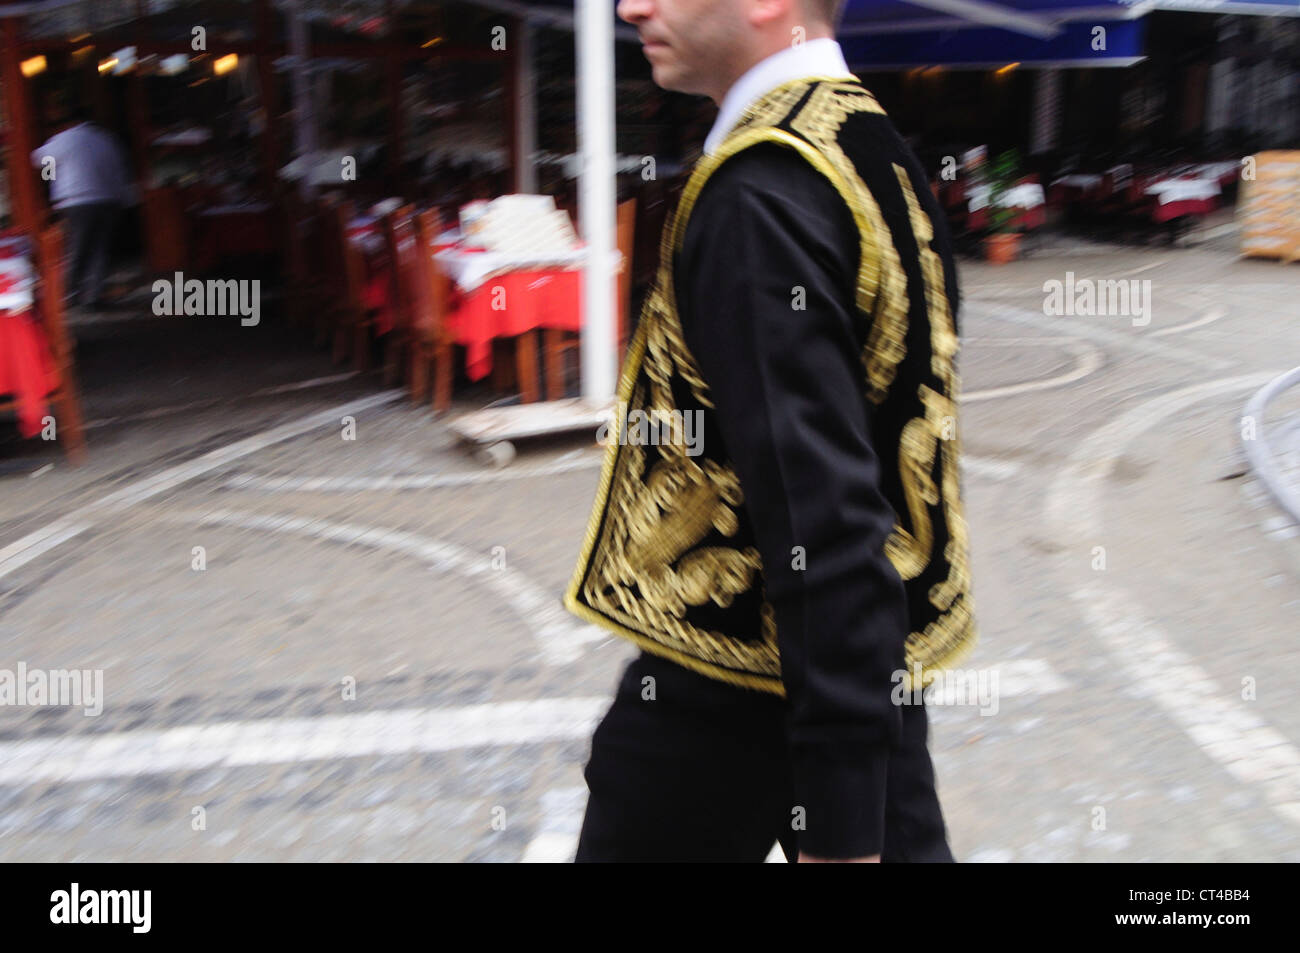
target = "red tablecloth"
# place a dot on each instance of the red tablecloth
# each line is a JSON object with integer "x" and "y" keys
{"x": 506, "y": 305}
{"x": 1164, "y": 212}
{"x": 27, "y": 371}
{"x": 1023, "y": 219}
{"x": 511, "y": 304}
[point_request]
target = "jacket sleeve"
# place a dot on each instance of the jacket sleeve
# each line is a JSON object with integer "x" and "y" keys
{"x": 767, "y": 272}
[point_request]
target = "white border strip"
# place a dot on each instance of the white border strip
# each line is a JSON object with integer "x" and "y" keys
{"x": 24, "y": 550}
{"x": 274, "y": 741}
{"x": 1243, "y": 744}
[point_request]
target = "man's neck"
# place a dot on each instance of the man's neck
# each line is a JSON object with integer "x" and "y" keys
{"x": 754, "y": 59}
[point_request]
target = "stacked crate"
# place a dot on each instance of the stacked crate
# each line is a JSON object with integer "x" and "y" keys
{"x": 1270, "y": 208}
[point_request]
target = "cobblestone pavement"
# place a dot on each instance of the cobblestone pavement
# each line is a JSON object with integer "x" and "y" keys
{"x": 320, "y": 648}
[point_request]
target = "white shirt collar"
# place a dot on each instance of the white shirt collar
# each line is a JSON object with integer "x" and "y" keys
{"x": 820, "y": 57}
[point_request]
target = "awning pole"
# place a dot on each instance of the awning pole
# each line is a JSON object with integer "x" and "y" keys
{"x": 595, "y": 41}
{"x": 525, "y": 110}
{"x": 304, "y": 113}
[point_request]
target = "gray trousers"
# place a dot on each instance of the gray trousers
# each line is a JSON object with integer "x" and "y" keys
{"x": 90, "y": 233}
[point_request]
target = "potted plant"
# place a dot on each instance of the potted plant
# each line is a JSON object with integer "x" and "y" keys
{"x": 1003, "y": 242}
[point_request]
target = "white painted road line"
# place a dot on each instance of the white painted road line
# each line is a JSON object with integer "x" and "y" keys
{"x": 1214, "y": 314}
{"x": 37, "y": 544}
{"x": 173, "y": 409}
{"x": 551, "y": 849}
{"x": 24, "y": 550}
{"x": 1016, "y": 678}
{"x": 1088, "y": 360}
{"x": 1246, "y": 746}
{"x": 416, "y": 481}
{"x": 561, "y": 636}
{"x": 556, "y": 841}
{"x": 1122, "y": 339}
{"x": 993, "y": 469}
{"x": 275, "y": 741}
{"x": 151, "y": 486}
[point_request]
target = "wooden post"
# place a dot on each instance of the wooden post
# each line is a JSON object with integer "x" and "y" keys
{"x": 66, "y": 401}
{"x": 24, "y": 200}
{"x": 510, "y": 82}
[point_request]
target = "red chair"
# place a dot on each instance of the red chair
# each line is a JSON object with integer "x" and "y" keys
{"x": 64, "y": 399}
{"x": 351, "y": 322}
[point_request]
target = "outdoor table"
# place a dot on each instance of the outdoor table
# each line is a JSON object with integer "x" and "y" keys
{"x": 1027, "y": 199}
{"x": 1080, "y": 181}
{"x": 534, "y": 298}
{"x": 1221, "y": 172}
{"x": 539, "y": 290}
{"x": 27, "y": 371}
{"x": 1069, "y": 189}
{"x": 1176, "y": 197}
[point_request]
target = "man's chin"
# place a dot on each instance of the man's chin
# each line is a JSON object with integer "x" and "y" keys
{"x": 668, "y": 79}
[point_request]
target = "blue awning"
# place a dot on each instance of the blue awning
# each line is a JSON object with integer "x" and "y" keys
{"x": 897, "y": 34}
{"x": 893, "y": 34}
{"x": 1031, "y": 17}
{"x": 1084, "y": 44}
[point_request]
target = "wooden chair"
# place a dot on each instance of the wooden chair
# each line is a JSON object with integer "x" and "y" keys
{"x": 66, "y": 400}
{"x": 431, "y": 342}
{"x": 559, "y": 343}
{"x": 305, "y": 290}
{"x": 400, "y": 245}
{"x": 329, "y": 271}
{"x": 348, "y": 316}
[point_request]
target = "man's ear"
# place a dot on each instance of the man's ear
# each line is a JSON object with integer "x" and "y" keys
{"x": 760, "y": 13}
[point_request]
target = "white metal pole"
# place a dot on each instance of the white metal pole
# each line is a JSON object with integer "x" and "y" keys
{"x": 304, "y": 112}
{"x": 1047, "y": 110}
{"x": 595, "y": 42}
{"x": 526, "y": 113}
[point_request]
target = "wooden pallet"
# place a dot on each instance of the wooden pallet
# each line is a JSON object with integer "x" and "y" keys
{"x": 491, "y": 431}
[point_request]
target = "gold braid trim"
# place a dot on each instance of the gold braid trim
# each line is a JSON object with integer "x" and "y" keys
{"x": 955, "y": 625}
{"x": 820, "y": 121}
{"x": 645, "y": 535}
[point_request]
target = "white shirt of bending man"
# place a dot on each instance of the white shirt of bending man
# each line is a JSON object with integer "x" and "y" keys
{"x": 83, "y": 164}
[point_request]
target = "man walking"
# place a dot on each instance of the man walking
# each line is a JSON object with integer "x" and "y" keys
{"x": 790, "y": 584}
{"x": 88, "y": 178}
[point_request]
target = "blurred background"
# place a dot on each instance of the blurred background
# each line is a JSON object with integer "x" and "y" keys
{"x": 298, "y": 416}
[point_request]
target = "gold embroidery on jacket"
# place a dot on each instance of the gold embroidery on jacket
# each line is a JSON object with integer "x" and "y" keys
{"x": 772, "y": 108}
{"x": 651, "y": 567}
{"x": 645, "y": 563}
{"x": 951, "y": 597}
{"x": 820, "y": 120}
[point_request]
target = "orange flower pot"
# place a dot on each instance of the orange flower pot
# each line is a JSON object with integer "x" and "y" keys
{"x": 1001, "y": 249}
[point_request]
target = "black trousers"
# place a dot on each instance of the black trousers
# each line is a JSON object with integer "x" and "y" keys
{"x": 702, "y": 773}
{"x": 90, "y": 233}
